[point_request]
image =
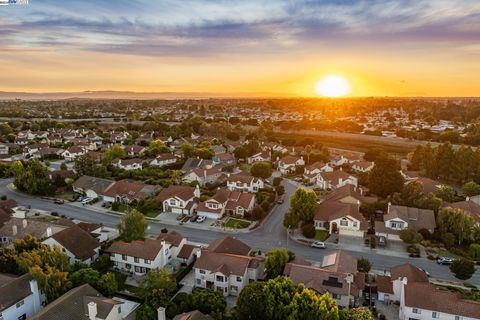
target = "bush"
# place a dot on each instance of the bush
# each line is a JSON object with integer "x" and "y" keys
{"x": 463, "y": 269}
{"x": 373, "y": 242}
{"x": 308, "y": 230}
{"x": 425, "y": 234}
{"x": 414, "y": 251}
{"x": 265, "y": 205}
{"x": 258, "y": 213}
{"x": 448, "y": 239}
{"x": 277, "y": 181}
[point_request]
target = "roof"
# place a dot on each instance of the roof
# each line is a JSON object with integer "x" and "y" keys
{"x": 182, "y": 192}
{"x": 384, "y": 284}
{"x": 229, "y": 245}
{"x": 192, "y": 315}
{"x": 412, "y": 273}
{"x": 130, "y": 189}
{"x": 242, "y": 177}
{"x": 77, "y": 241}
{"x": 339, "y": 261}
{"x": 349, "y": 190}
{"x": 165, "y": 156}
{"x": 13, "y": 289}
{"x": 468, "y": 206}
{"x": 334, "y": 176}
{"x": 69, "y": 306}
{"x": 332, "y": 210}
{"x": 428, "y": 185}
{"x": 415, "y": 217}
{"x": 426, "y": 296}
{"x": 89, "y": 227}
{"x": 98, "y": 185}
{"x": 145, "y": 249}
{"x": 224, "y": 263}
{"x": 36, "y": 228}
{"x": 289, "y": 159}
{"x": 172, "y": 237}
{"x": 186, "y": 251}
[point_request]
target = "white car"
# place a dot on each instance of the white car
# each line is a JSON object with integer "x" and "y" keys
{"x": 318, "y": 244}
{"x": 200, "y": 219}
{"x": 86, "y": 200}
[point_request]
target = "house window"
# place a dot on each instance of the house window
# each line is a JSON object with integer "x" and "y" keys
{"x": 239, "y": 279}
{"x": 124, "y": 257}
{"x": 456, "y": 318}
{"x": 335, "y": 296}
{"x": 355, "y": 224}
{"x": 19, "y": 304}
{"x": 344, "y": 223}
{"x": 146, "y": 261}
{"x": 199, "y": 281}
{"x": 202, "y": 271}
{"x": 435, "y": 315}
{"x": 240, "y": 210}
{"x": 136, "y": 260}
{"x": 219, "y": 278}
{"x": 172, "y": 202}
{"x": 417, "y": 311}
{"x": 234, "y": 288}
{"x": 396, "y": 225}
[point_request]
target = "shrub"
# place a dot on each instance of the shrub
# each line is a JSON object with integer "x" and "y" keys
{"x": 448, "y": 239}
{"x": 308, "y": 230}
{"x": 258, "y": 213}
{"x": 425, "y": 234}
{"x": 463, "y": 269}
{"x": 277, "y": 181}
{"x": 373, "y": 242}
{"x": 265, "y": 205}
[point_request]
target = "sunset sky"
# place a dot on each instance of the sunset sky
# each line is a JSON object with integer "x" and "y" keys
{"x": 240, "y": 47}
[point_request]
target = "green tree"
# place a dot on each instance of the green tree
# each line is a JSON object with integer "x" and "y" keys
{"x": 132, "y": 226}
{"x": 52, "y": 281}
{"x": 261, "y": 170}
{"x": 308, "y": 152}
{"x": 86, "y": 275}
{"x": 208, "y": 301}
{"x": 108, "y": 284}
{"x": 410, "y": 236}
{"x": 188, "y": 150}
{"x": 86, "y": 165}
{"x": 115, "y": 152}
{"x": 385, "y": 178}
{"x": 251, "y": 302}
{"x": 157, "y": 288}
{"x": 474, "y": 251}
{"x": 276, "y": 260}
{"x": 145, "y": 312}
{"x": 364, "y": 265}
{"x": 156, "y": 147}
{"x": 471, "y": 189}
{"x": 103, "y": 263}
{"x": 290, "y": 220}
{"x": 357, "y": 314}
{"x": 303, "y": 204}
{"x": 463, "y": 269}
{"x": 447, "y": 193}
{"x": 32, "y": 178}
{"x": 457, "y": 222}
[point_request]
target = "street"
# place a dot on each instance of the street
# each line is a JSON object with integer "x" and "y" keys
{"x": 270, "y": 234}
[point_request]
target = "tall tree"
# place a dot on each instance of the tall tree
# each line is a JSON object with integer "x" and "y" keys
{"x": 157, "y": 288}
{"x": 251, "y": 302}
{"x": 261, "y": 170}
{"x": 132, "y": 226}
{"x": 303, "y": 204}
{"x": 276, "y": 260}
{"x": 385, "y": 178}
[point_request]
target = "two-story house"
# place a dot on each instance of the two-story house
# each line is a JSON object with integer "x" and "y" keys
{"x": 73, "y": 152}
{"x": 399, "y": 218}
{"x": 339, "y": 217}
{"x": 163, "y": 159}
{"x": 204, "y": 176}
{"x": 244, "y": 182}
{"x": 179, "y": 199}
{"x": 134, "y": 150}
{"x": 226, "y": 266}
{"x": 289, "y": 164}
{"x": 128, "y": 164}
{"x": 264, "y": 156}
{"x": 335, "y": 179}
{"x": 226, "y": 202}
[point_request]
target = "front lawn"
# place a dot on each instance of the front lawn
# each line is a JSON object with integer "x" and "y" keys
{"x": 152, "y": 214}
{"x": 321, "y": 235}
{"x": 236, "y": 223}
{"x": 120, "y": 207}
{"x": 67, "y": 196}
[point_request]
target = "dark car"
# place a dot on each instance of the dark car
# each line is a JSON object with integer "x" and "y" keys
{"x": 193, "y": 219}
{"x": 445, "y": 261}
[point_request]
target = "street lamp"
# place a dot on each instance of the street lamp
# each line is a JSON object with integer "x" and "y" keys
{"x": 349, "y": 280}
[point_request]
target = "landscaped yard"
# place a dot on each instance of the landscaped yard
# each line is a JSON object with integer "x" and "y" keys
{"x": 67, "y": 196}
{"x": 152, "y": 214}
{"x": 120, "y": 207}
{"x": 236, "y": 223}
{"x": 321, "y": 235}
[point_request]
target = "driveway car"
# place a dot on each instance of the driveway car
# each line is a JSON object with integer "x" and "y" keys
{"x": 201, "y": 219}
{"x": 193, "y": 219}
{"x": 445, "y": 261}
{"x": 318, "y": 245}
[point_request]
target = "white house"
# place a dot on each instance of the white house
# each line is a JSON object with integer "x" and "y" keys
{"x": 341, "y": 218}
{"x": 163, "y": 159}
{"x": 73, "y": 152}
{"x": 128, "y": 164}
{"x": 20, "y": 297}
{"x": 226, "y": 201}
{"x": 289, "y": 164}
{"x": 203, "y": 176}
{"x": 335, "y": 179}
{"x": 139, "y": 257}
{"x": 76, "y": 243}
{"x": 264, "y": 156}
{"x": 244, "y": 182}
{"x": 363, "y": 166}
{"x": 179, "y": 199}
{"x": 181, "y": 250}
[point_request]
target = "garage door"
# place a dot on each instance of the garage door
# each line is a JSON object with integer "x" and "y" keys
{"x": 207, "y": 215}
{"x": 351, "y": 233}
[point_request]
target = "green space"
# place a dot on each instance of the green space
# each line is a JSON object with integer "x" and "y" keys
{"x": 152, "y": 214}
{"x": 120, "y": 207}
{"x": 236, "y": 223}
{"x": 67, "y": 196}
{"x": 321, "y": 235}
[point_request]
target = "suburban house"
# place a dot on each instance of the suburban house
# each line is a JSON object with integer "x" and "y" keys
{"x": 264, "y": 156}
{"x": 196, "y": 163}
{"x": 86, "y": 303}
{"x": 389, "y": 287}
{"x": 179, "y": 199}
{"x": 18, "y": 228}
{"x": 341, "y": 159}
{"x": 312, "y": 171}
{"x": 224, "y": 159}
{"x": 468, "y": 206}
{"x": 134, "y": 150}
{"x": 226, "y": 266}
{"x": 128, "y": 164}
{"x": 163, "y": 159}
{"x": 349, "y": 194}
{"x": 363, "y": 166}
{"x": 20, "y": 297}
{"x": 336, "y": 275}
{"x": 226, "y": 201}
{"x": 289, "y": 164}
{"x": 398, "y": 218}
{"x": 76, "y": 243}
{"x": 101, "y": 233}
{"x": 73, "y": 152}
{"x": 339, "y": 217}
{"x": 127, "y": 191}
{"x": 335, "y": 179}
{"x": 244, "y": 182}
{"x": 180, "y": 249}
{"x": 140, "y": 256}
{"x": 204, "y": 176}
{"x": 92, "y": 187}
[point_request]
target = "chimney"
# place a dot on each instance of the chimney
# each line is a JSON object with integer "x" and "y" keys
{"x": 49, "y": 232}
{"x": 389, "y": 205}
{"x": 24, "y": 223}
{"x": 161, "y": 313}
{"x": 358, "y": 203}
{"x": 467, "y": 199}
{"x": 92, "y": 310}
{"x": 14, "y": 230}
{"x": 199, "y": 253}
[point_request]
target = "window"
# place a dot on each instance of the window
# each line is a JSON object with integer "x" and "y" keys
{"x": 435, "y": 315}
{"x": 146, "y": 261}
{"x": 396, "y": 225}
{"x": 19, "y": 304}
{"x": 219, "y": 278}
{"x": 119, "y": 309}
{"x": 240, "y": 210}
{"x": 355, "y": 224}
{"x": 136, "y": 260}
{"x": 234, "y": 288}
{"x": 124, "y": 257}
{"x": 456, "y": 318}
{"x": 239, "y": 279}
{"x": 202, "y": 271}
{"x": 199, "y": 281}
{"x": 344, "y": 223}
{"x": 335, "y": 296}
{"x": 417, "y": 311}
{"x": 172, "y": 202}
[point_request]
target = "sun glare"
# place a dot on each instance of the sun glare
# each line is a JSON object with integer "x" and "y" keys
{"x": 333, "y": 86}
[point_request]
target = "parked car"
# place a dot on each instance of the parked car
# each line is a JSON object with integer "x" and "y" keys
{"x": 201, "y": 219}
{"x": 445, "y": 261}
{"x": 86, "y": 200}
{"x": 180, "y": 217}
{"x": 382, "y": 241}
{"x": 193, "y": 218}
{"x": 318, "y": 244}
{"x": 58, "y": 201}
{"x": 281, "y": 199}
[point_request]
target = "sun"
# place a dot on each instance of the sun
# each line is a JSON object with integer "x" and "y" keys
{"x": 333, "y": 86}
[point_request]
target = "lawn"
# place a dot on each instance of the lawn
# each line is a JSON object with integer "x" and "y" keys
{"x": 121, "y": 207}
{"x": 67, "y": 196}
{"x": 236, "y": 223}
{"x": 321, "y": 235}
{"x": 152, "y": 214}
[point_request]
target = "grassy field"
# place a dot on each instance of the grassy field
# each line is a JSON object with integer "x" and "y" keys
{"x": 236, "y": 223}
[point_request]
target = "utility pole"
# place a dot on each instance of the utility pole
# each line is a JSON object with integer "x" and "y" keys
{"x": 349, "y": 280}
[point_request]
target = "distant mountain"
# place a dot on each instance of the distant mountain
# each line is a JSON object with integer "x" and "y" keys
{"x": 125, "y": 95}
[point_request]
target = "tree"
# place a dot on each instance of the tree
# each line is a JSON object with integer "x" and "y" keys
{"x": 240, "y": 152}
{"x": 303, "y": 204}
{"x": 362, "y": 313}
{"x": 364, "y": 265}
{"x": 86, "y": 275}
{"x": 258, "y": 212}
{"x": 471, "y": 189}
{"x": 145, "y": 312}
{"x": 385, "y": 178}
{"x": 108, "y": 284}
{"x": 63, "y": 166}
{"x": 410, "y": 236}
{"x": 280, "y": 190}
{"x": 115, "y": 152}
{"x": 463, "y": 269}
{"x": 261, "y": 170}
{"x": 103, "y": 263}
{"x": 53, "y": 282}
{"x": 157, "y": 288}
{"x": 308, "y": 230}
{"x": 32, "y": 178}
{"x": 86, "y": 165}
{"x": 290, "y": 220}
{"x": 156, "y": 147}
{"x": 132, "y": 226}
{"x": 447, "y": 193}
{"x": 474, "y": 251}
{"x": 251, "y": 302}
{"x": 188, "y": 150}
{"x": 208, "y": 301}
{"x": 276, "y": 260}
{"x": 457, "y": 222}
{"x": 308, "y": 151}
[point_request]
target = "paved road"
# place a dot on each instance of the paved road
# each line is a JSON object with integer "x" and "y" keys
{"x": 270, "y": 234}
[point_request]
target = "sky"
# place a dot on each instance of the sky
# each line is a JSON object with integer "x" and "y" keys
{"x": 242, "y": 47}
